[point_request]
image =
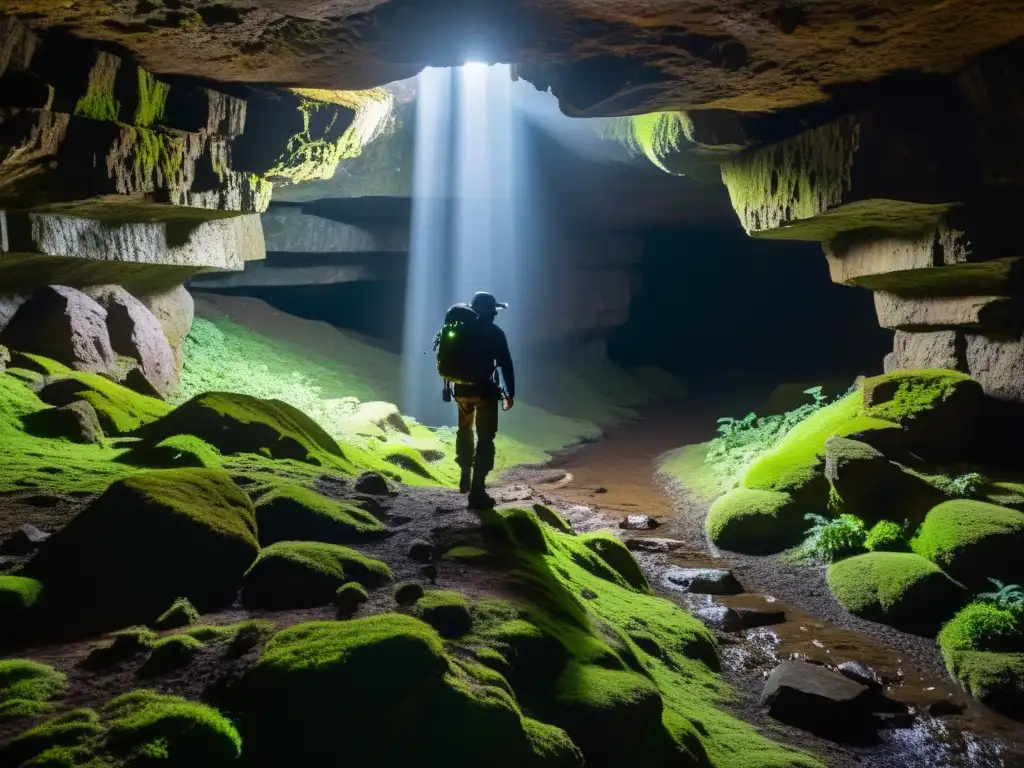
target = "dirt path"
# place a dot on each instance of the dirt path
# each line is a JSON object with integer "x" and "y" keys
{"x": 616, "y": 477}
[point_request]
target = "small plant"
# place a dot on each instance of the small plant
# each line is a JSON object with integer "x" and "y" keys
{"x": 966, "y": 486}
{"x": 741, "y": 441}
{"x": 887, "y": 536}
{"x": 833, "y": 539}
{"x": 1006, "y": 597}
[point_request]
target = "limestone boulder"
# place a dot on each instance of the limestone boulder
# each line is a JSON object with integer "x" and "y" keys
{"x": 928, "y": 349}
{"x": 998, "y": 366}
{"x": 76, "y": 421}
{"x": 1001, "y": 314}
{"x": 174, "y": 310}
{"x": 136, "y": 333}
{"x": 63, "y": 324}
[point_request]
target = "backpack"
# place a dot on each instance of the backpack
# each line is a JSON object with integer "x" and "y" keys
{"x": 461, "y": 348}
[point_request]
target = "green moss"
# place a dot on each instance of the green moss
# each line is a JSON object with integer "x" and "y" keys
{"x": 655, "y": 135}
{"x": 799, "y": 178}
{"x": 172, "y": 652}
{"x": 886, "y": 536}
{"x": 897, "y": 588}
{"x": 175, "y": 451}
{"x": 916, "y": 392}
{"x": 398, "y": 671}
{"x": 755, "y": 521}
{"x": 349, "y": 597}
{"x": 298, "y": 574}
{"x": 580, "y": 621}
{"x": 98, "y": 102}
{"x": 17, "y": 594}
{"x": 982, "y": 627}
{"x": 152, "y": 99}
{"x": 147, "y": 541}
{"x": 447, "y": 612}
{"x": 56, "y": 736}
{"x": 290, "y": 512}
{"x": 995, "y": 678}
{"x": 615, "y": 554}
{"x": 973, "y": 540}
{"x": 27, "y": 686}
{"x": 551, "y": 516}
{"x": 180, "y": 614}
{"x": 467, "y": 553}
{"x": 120, "y": 410}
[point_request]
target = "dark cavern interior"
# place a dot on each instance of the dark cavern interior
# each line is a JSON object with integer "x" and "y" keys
{"x": 512, "y": 383}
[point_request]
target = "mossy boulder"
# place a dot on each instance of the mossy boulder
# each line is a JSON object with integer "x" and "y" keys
{"x": 974, "y": 541}
{"x": 139, "y": 728}
{"x": 983, "y": 627}
{"x": 301, "y": 574}
{"x": 997, "y": 679}
{"x": 873, "y": 488}
{"x": 176, "y": 451}
{"x": 147, "y": 541}
{"x": 446, "y": 612}
{"x": 26, "y": 688}
{"x": 755, "y": 521}
{"x": 551, "y": 516}
{"x": 120, "y": 410}
{"x": 897, "y": 588}
{"x": 349, "y": 597}
{"x": 75, "y": 421}
{"x": 620, "y": 559}
{"x": 290, "y": 512}
{"x": 181, "y": 614}
{"x": 904, "y": 411}
{"x": 236, "y": 424}
{"x": 17, "y": 595}
{"x": 171, "y": 653}
{"x": 385, "y": 688}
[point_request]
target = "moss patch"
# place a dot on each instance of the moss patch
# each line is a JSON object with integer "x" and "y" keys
{"x": 26, "y": 688}
{"x": 147, "y": 541}
{"x": 615, "y": 554}
{"x": 290, "y": 512}
{"x": 982, "y": 627}
{"x": 995, "y": 678}
{"x": 973, "y": 541}
{"x": 139, "y": 728}
{"x": 120, "y": 410}
{"x": 413, "y": 699}
{"x": 299, "y": 574}
{"x": 886, "y": 536}
{"x": 897, "y": 588}
{"x": 755, "y": 521}
{"x": 446, "y": 612}
{"x": 17, "y": 595}
{"x": 180, "y": 614}
{"x": 629, "y": 676}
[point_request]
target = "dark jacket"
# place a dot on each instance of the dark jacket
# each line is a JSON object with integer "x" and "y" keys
{"x": 495, "y": 347}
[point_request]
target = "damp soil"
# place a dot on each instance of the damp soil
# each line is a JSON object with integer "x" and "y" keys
{"x": 617, "y": 477}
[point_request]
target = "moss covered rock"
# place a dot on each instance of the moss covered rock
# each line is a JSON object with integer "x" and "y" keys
{"x": 235, "y": 423}
{"x": 173, "y": 452}
{"x": 75, "y": 421}
{"x": 300, "y": 574}
{"x": 138, "y": 728}
{"x": 620, "y": 559}
{"x": 552, "y": 517}
{"x": 973, "y": 541}
{"x": 982, "y": 627}
{"x": 886, "y": 536}
{"x": 147, "y": 541}
{"x": 27, "y": 686}
{"x": 119, "y": 409}
{"x": 181, "y": 614}
{"x": 290, "y": 512}
{"x": 385, "y": 688}
{"x": 755, "y": 521}
{"x": 897, "y": 588}
{"x": 447, "y": 612}
{"x": 349, "y": 597}
{"x": 904, "y": 411}
{"x": 997, "y": 679}
{"x": 17, "y": 595}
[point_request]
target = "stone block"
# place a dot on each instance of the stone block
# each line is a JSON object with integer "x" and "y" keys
{"x": 998, "y": 366}
{"x": 289, "y": 230}
{"x": 174, "y": 309}
{"x": 266, "y": 274}
{"x": 144, "y": 256}
{"x": 932, "y": 349}
{"x": 200, "y": 109}
{"x": 974, "y": 251}
{"x": 1002, "y": 314}
{"x": 61, "y": 163}
{"x": 885, "y": 169}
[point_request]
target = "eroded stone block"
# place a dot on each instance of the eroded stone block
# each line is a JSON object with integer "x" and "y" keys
{"x": 290, "y": 230}
{"x": 932, "y": 349}
{"x": 996, "y": 313}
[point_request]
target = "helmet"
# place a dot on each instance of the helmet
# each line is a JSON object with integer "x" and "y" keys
{"x": 485, "y": 304}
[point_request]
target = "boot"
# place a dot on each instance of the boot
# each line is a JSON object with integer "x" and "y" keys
{"x": 465, "y": 481}
{"x": 478, "y": 496}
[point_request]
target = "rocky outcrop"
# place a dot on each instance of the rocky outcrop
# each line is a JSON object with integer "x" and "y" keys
{"x": 599, "y": 58}
{"x": 65, "y": 325}
{"x": 136, "y": 333}
{"x": 934, "y": 349}
{"x": 290, "y": 230}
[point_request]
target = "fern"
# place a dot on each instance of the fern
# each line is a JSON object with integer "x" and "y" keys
{"x": 833, "y": 539}
{"x": 1006, "y": 596}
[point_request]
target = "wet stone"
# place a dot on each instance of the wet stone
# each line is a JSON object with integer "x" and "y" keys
{"x": 652, "y": 544}
{"x": 819, "y": 700}
{"x": 408, "y": 594}
{"x": 704, "y": 581}
{"x": 718, "y": 617}
{"x": 373, "y": 483}
{"x": 421, "y": 551}
{"x": 860, "y": 673}
{"x": 638, "y": 523}
{"x": 24, "y": 540}
{"x": 429, "y": 572}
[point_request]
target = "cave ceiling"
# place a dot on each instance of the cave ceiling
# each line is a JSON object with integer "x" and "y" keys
{"x": 600, "y": 57}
